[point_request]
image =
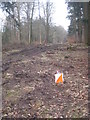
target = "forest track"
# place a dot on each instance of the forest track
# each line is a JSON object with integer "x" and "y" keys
{"x": 37, "y": 49}
{"x": 31, "y": 51}
{"x": 34, "y": 50}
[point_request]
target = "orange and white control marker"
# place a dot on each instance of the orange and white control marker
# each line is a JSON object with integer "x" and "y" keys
{"x": 59, "y": 78}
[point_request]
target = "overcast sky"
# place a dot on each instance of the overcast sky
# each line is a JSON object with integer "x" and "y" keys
{"x": 60, "y": 13}
{"x": 59, "y": 16}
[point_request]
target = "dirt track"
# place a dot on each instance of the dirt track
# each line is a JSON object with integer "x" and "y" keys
{"x": 29, "y": 89}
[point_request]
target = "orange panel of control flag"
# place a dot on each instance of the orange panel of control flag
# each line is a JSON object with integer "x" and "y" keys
{"x": 59, "y": 78}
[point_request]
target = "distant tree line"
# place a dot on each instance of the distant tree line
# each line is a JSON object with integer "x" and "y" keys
{"x": 79, "y": 15}
{"x": 30, "y": 22}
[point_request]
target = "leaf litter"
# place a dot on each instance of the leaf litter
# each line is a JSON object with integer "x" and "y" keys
{"x": 30, "y": 90}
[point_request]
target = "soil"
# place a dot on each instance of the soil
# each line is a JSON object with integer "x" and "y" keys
{"x": 29, "y": 88}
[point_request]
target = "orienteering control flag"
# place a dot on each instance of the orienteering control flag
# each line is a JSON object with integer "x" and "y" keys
{"x": 59, "y": 78}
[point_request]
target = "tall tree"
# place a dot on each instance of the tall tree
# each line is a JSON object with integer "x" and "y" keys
{"x": 85, "y": 21}
{"x": 39, "y": 21}
{"x": 31, "y": 21}
{"x": 47, "y": 17}
{"x": 9, "y": 7}
{"x": 27, "y": 10}
{"x": 19, "y": 21}
{"x": 88, "y": 39}
{"x": 75, "y": 15}
{"x": 82, "y": 15}
{"x": 79, "y": 20}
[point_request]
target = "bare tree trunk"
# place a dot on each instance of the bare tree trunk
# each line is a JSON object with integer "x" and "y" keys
{"x": 14, "y": 23}
{"x": 47, "y": 17}
{"x": 29, "y": 32}
{"x": 31, "y": 37}
{"x": 39, "y": 22}
{"x": 10, "y": 37}
{"x": 19, "y": 27}
{"x": 29, "y": 12}
{"x": 85, "y": 5}
{"x": 14, "y": 30}
{"x": 47, "y": 33}
{"x": 88, "y": 41}
{"x": 80, "y": 31}
{"x": 47, "y": 22}
{"x": 28, "y": 20}
{"x": 80, "y": 27}
{"x": 74, "y": 24}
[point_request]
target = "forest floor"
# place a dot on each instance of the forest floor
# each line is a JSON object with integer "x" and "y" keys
{"x": 28, "y": 83}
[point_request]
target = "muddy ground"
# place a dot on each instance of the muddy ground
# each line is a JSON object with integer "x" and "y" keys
{"x": 29, "y": 88}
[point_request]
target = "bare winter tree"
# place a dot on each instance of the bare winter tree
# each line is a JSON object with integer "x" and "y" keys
{"x": 28, "y": 26}
{"x": 13, "y": 10}
{"x": 29, "y": 11}
{"x": 85, "y": 11}
{"x": 32, "y": 12}
{"x": 39, "y": 21}
{"x": 19, "y": 21}
{"x": 47, "y": 17}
